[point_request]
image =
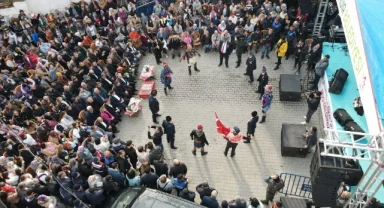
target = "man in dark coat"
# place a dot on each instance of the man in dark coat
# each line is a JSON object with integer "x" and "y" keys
{"x": 149, "y": 179}
{"x": 169, "y": 129}
{"x": 263, "y": 81}
{"x": 251, "y": 127}
{"x": 251, "y": 65}
{"x": 95, "y": 196}
{"x": 204, "y": 190}
{"x": 240, "y": 48}
{"x": 225, "y": 48}
{"x": 178, "y": 168}
{"x": 210, "y": 201}
{"x": 131, "y": 153}
{"x": 154, "y": 106}
{"x": 301, "y": 50}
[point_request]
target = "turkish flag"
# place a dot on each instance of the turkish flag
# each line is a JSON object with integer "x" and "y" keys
{"x": 221, "y": 129}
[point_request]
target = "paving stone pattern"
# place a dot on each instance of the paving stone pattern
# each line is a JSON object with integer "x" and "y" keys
{"x": 226, "y": 91}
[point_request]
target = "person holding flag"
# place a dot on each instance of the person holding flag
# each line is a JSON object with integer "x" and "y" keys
{"x": 233, "y": 139}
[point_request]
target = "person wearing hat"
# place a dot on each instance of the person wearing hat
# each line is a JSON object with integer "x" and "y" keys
{"x": 274, "y": 185}
{"x": 263, "y": 81}
{"x": 251, "y": 65}
{"x": 266, "y": 101}
{"x": 233, "y": 138}
{"x": 199, "y": 139}
{"x": 166, "y": 77}
{"x": 251, "y": 126}
{"x": 190, "y": 55}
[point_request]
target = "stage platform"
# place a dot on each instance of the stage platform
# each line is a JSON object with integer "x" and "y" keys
{"x": 341, "y": 59}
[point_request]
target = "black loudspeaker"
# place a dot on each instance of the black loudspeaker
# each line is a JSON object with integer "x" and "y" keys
{"x": 323, "y": 195}
{"x": 338, "y": 81}
{"x": 290, "y": 87}
{"x": 292, "y": 140}
{"x": 353, "y": 126}
{"x": 327, "y": 173}
{"x": 341, "y": 75}
{"x": 342, "y": 116}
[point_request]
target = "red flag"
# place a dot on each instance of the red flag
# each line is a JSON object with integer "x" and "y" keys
{"x": 221, "y": 129}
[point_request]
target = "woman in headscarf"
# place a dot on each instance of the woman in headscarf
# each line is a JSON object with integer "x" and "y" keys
{"x": 221, "y": 27}
{"x": 266, "y": 101}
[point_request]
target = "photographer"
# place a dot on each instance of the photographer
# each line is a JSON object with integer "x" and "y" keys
{"x": 313, "y": 100}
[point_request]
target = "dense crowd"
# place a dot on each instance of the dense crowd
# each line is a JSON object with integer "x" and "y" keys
{"x": 67, "y": 78}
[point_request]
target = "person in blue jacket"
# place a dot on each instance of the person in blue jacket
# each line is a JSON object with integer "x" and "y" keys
{"x": 166, "y": 77}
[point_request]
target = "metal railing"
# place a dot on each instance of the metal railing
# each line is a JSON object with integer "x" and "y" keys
{"x": 296, "y": 185}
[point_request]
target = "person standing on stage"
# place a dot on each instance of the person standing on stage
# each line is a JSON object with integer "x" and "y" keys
{"x": 251, "y": 65}
{"x": 266, "y": 101}
{"x": 169, "y": 129}
{"x": 251, "y": 127}
{"x": 225, "y": 49}
{"x": 281, "y": 49}
{"x": 154, "y": 106}
{"x": 233, "y": 140}
{"x": 263, "y": 81}
{"x": 190, "y": 55}
{"x": 320, "y": 68}
{"x": 166, "y": 77}
{"x": 199, "y": 140}
{"x": 313, "y": 100}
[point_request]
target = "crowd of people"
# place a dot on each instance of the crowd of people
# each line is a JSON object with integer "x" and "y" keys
{"x": 67, "y": 78}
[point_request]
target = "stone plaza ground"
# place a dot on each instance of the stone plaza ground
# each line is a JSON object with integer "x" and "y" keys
{"x": 226, "y": 91}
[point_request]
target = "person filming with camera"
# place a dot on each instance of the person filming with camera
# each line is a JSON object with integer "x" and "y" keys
{"x": 313, "y": 100}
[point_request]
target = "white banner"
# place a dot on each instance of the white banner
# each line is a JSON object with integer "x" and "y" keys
{"x": 352, "y": 30}
{"x": 326, "y": 106}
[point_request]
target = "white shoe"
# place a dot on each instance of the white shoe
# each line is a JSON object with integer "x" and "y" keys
{"x": 303, "y": 122}
{"x": 305, "y": 117}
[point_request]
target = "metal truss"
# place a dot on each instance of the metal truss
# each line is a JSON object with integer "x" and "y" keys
{"x": 358, "y": 146}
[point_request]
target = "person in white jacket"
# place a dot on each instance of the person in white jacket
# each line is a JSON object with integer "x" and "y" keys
{"x": 164, "y": 184}
{"x": 102, "y": 144}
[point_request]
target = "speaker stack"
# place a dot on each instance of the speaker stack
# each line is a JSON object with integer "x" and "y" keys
{"x": 290, "y": 87}
{"x": 327, "y": 173}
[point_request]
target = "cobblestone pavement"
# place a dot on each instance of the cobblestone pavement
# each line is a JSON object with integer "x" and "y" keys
{"x": 194, "y": 100}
